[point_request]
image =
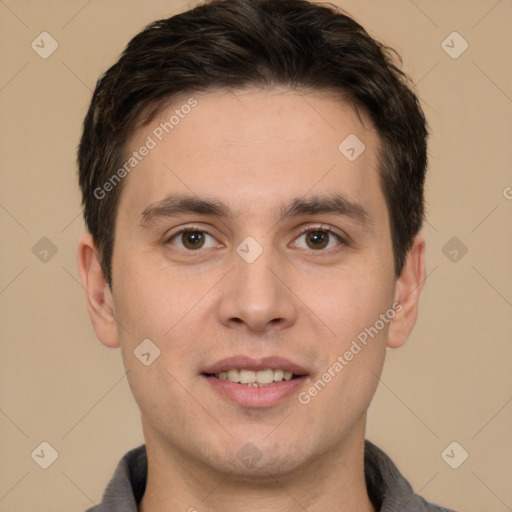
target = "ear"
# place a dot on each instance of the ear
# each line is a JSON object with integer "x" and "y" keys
{"x": 100, "y": 302}
{"x": 407, "y": 294}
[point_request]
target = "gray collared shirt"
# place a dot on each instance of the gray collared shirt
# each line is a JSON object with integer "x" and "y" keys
{"x": 387, "y": 488}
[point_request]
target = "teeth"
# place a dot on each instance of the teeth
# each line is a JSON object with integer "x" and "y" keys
{"x": 233, "y": 375}
{"x": 265, "y": 376}
{"x": 247, "y": 377}
{"x": 252, "y": 378}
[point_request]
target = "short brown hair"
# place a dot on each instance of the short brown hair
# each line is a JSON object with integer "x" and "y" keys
{"x": 232, "y": 44}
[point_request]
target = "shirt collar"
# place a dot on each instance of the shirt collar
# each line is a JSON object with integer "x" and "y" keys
{"x": 387, "y": 488}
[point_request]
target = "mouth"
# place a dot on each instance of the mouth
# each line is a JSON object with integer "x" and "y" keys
{"x": 255, "y": 382}
{"x": 255, "y": 379}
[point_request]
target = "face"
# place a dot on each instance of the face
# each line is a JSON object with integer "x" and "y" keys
{"x": 248, "y": 246}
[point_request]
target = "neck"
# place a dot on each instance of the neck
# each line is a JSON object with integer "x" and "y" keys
{"x": 333, "y": 481}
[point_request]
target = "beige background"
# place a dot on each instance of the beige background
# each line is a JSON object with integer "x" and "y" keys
{"x": 451, "y": 382}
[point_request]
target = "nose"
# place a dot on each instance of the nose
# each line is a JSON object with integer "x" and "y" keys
{"x": 257, "y": 297}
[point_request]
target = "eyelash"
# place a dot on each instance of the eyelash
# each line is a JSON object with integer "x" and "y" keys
{"x": 339, "y": 238}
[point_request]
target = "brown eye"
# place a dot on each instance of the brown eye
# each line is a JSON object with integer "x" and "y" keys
{"x": 318, "y": 239}
{"x": 192, "y": 240}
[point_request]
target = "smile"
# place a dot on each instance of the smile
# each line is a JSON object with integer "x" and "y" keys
{"x": 255, "y": 378}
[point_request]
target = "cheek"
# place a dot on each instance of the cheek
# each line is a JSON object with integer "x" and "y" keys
{"x": 164, "y": 311}
{"x": 350, "y": 299}
{"x": 152, "y": 302}
{"x": 171, "y": 310}
{"x": 351, "y": 305}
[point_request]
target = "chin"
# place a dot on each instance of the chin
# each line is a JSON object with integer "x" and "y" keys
{"x": 265, "y": 468}
{"x": 259, "y": 460}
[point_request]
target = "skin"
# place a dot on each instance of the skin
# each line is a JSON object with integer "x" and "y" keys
{"x": 255, "y": 151}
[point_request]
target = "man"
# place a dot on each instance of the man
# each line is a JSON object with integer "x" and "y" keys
{"x": 252, "y": 175}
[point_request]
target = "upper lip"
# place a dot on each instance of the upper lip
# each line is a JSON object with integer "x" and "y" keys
{"x": 255, "y": 364}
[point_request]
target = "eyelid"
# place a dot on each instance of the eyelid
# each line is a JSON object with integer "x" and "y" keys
{"x": 323, "y": 227}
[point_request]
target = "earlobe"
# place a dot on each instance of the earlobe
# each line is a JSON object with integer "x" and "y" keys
{"x": 407, "y": 293}
{"x": 100, "y": 302}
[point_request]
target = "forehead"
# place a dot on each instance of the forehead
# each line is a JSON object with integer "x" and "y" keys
{"x": 252, "y": 148}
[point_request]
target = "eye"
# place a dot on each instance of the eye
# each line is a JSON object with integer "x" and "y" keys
{"x": 318, "y": 238}
{"x": 191, "y": 239}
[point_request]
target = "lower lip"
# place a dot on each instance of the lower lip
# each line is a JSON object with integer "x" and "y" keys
{"x": 256, "y": 396}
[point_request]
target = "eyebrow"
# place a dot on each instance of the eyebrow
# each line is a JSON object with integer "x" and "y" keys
{"x": 179, "y": 204}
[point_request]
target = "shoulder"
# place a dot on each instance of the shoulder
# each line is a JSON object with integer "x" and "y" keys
{"x": 388, "y": 489}
{"x": 127, "y": 486}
